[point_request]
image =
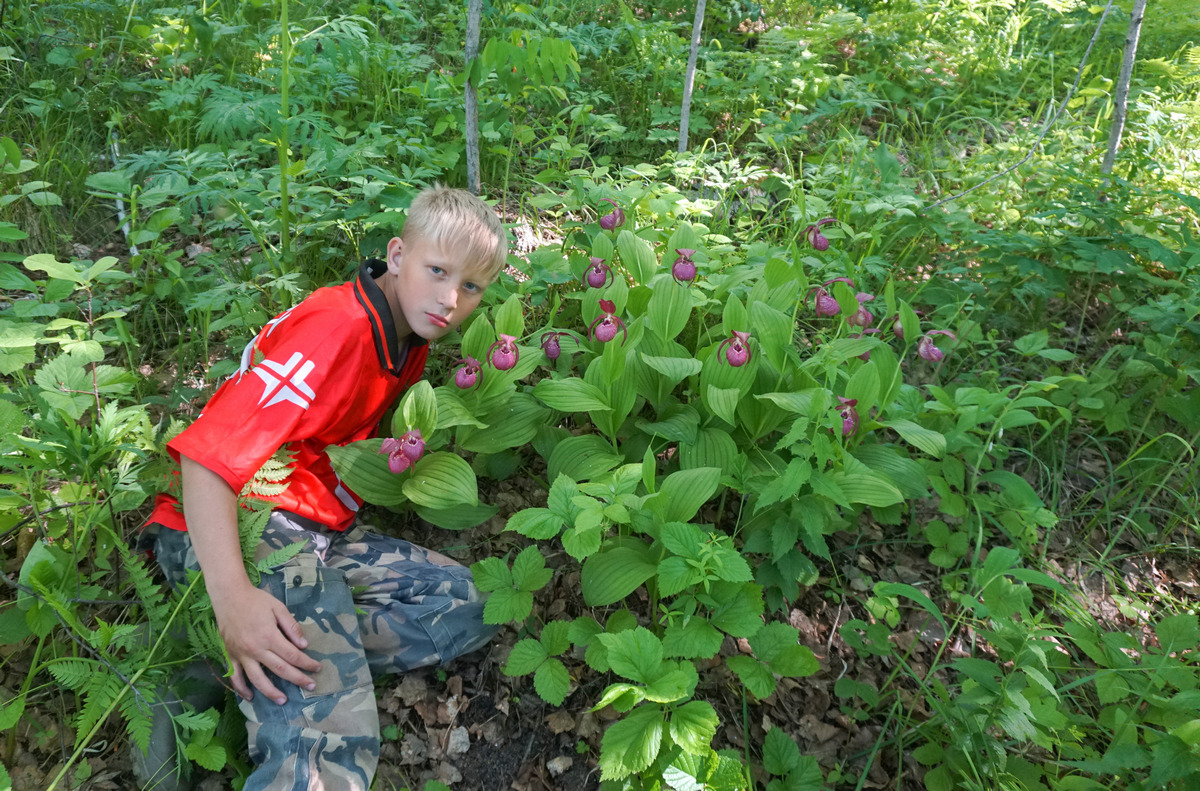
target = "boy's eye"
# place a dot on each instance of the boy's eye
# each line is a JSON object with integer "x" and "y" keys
{"x": 437, "y": 270}
{"x": 472, "y": 288}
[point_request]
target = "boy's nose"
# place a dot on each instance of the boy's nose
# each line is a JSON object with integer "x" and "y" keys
{"x": 450, "y": 297}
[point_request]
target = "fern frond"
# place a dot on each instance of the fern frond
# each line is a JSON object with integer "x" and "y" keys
{"x": 75, "y": 673}
{"x": 280, "y": 556}
{"x": 139, "y": 720}
{"x": 149, "y": 593}
{"x": 267, "y": 480}
{"x": 100, "y": 692}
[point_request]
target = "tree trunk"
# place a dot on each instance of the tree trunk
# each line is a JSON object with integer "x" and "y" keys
{"x": 474, "y": 12}
{"x": 690, "y": 77}
{"x": 1122, "y": 96}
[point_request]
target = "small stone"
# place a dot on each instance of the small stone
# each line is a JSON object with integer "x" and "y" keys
{"x": 459, "y": 741}
{"x": 559, "y": 765}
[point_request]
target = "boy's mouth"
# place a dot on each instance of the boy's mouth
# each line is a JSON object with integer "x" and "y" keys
{"x": 437, "y": 320}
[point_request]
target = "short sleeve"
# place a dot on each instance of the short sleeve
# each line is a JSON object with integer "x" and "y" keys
{"x": 292, "y": 385}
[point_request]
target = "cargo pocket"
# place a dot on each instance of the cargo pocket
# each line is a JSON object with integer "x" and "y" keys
{"x": 320, "y": 601}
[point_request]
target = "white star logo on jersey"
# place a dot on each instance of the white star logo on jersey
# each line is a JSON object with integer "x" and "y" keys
{"x": 282, "y": 384}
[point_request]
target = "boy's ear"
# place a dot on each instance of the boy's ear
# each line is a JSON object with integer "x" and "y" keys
{"x": 395, "y": 251}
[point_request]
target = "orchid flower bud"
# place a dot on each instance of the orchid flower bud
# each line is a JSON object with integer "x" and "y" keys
{"x": 614, "y": 218}
{"x": 861, "y": 317}
{"x": 815, "y": 237}
{"x": 598, "y": 274}
{"x": 684, "y": 268}
{"x": 605, "y": 326}
{"x": 846, "y": 409}
{"x": 926, "y": 349}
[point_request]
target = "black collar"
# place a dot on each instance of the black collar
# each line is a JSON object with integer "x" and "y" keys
{"x": 392, "y": 354}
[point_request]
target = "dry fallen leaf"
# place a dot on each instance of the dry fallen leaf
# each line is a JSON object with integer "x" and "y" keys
{"x": 559, "y": 765}
{"x": 560, "y": 721}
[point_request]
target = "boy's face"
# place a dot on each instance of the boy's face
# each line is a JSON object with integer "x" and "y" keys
{"x": 430, "y": 289}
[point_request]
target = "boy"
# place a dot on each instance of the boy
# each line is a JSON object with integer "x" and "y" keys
{"x": 302, "y": 647}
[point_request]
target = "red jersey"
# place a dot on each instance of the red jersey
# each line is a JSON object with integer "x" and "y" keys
{"x": 323, "y": 373}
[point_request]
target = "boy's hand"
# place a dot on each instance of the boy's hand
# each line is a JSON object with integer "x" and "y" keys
{"x": 260, "y": 634}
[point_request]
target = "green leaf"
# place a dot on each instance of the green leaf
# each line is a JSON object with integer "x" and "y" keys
{"x": 570, "y": 395}
{"x": 418, "y": 409}
{"x": 610, "y": 576}
{"x": 754, "y": 674}
{"x": 491, "y": 574}
{"x": 723, "y": 402}
{"x": 693, "y": 726}
{"x": 867, "y": 488}
{"x": 683, "y": 493}
{"x": 675, "y": 369}
{"x": 1178, "y": 633}
{"x": 556, "y": 637}
{"x": 109, "y": 182}
{"x": 552, "y": 682}
{"x": 365, "y": 472}
{"x": 695, "y": 639}
{"x": 677, "y": 425}
{"x": 678, "y": 681}
{"x": 582, "y": 458}
{"x": 46, "y": 262}
{"x": 712, "y": 448}
{"x": 920, "y": 437}
{"x": 864, "y": 386}
{"x": 738, "y": 608}
{"x": 441, "y": 480}
{"x": 635, "y": 654}
{"x": 668, "y": 311}
{"x": 786, "y": 486}
{"x": 526, "y": 656}
{"x": 521, "y": 416}
{"x": 457, "y": 517}
{"x": 210, "y": 755}
{"x": 913, "y": 594}
{"x": 538, "y": 523}
{"x": 451, "y": 410}
{"x": 780, "y": 753}
{"x": 631, "y": 744}
{"x": 12, "y": 152}
{"x": 507, "y": 604}
{"x": 529, "y": 570}
{"x": 509, "y": 318}
{"x": 637, "y": 256}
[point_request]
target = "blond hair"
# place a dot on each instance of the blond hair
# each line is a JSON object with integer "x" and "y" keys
{"x": 453, "y": 217}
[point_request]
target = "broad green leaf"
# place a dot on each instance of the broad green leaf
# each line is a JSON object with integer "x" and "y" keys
{"x": 526, "y": 656}
{"x": 696, "y": 639}
{"x": 631, "y": 744}
{"x": 867, "y": 488}
{"x": 915, "y": 595}
{"x": 676, "y": 681}
{"x": 441, "y": 480}
{"x": 723, "y": 402}
{"x": 491, "y": 574}
{"x": 453, "y": 412}
{"x": 754, "y": 674}
{"x": 679, "y": 425}
{"x": 676, "y": 369}
{"x": 12, "y": 152}
{"x": 806, "y": 402}
{"x": 59, "y": 270}
{"x": 738, "y": 608}
{"x": 556, "y": 637}
{"x": 920, "y": 437}
{"x": 693, "y": 726}
{"x": 669, "y": 308}
{"x": 109, "y": 182}
{"x": 582, "y": 458}
{"x": 780, "y": 753}
{"x": 365, "y": 472}
{"x": 570, "y": 395}
{"x": 1178, "y": 633}
{"x": 712, "y": 448}
{"x": 457, "y": 517}
{"x": 529, "y": 570}
{"x": 418, "y": 410}
{"x": 844, "y": 349}
{"x": 864, "y": 386}
{"x": 674, "y": 575}
{"x": 521, "y": 416}
{"x": 635, "y": 654}
{"x": 552, "y": 682}
{"x": 537, "y": 523}
{"x": 622, "y": 697}
{"x": 507, "y": 604}
{"x": 637, "y": 256}
{"x": 610, "y": 576}
{"x": 509, "y": 318}
{"x": 682, "y": 493}
{"x": 683, "y": 538}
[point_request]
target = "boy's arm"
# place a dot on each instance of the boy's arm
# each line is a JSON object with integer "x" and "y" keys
{"x": 259, "y": 632}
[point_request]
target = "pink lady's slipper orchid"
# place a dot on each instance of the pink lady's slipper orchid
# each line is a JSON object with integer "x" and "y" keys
{"x": 614, "y": 218}
{"x": 404, "y": 451}
{"x": 825, "y": 304}
{"x": 737, "y": 349}
{"x": 849, "y": 415}
{"x": 550, "y": 344}
{"x": 926, "y": 350}
{"x": 865, "y": 356}
{"x": 466, "y": 377}
{"x": 503, "y": 353}
{"x": 815, "y": 237}
{"x": 684, "y": 268}
{"x": 605, "y": 327}
{"x": 598, "y": 274}
{"x": 861, "y": 317}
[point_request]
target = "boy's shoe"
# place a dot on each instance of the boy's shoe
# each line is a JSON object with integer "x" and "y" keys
{"x": 160, "y": 768}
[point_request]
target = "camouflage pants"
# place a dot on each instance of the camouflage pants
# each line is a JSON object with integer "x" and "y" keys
{"x": 368, "y": 604}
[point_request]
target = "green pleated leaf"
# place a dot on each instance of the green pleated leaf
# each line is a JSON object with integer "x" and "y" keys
{"x": 678, "y": 424}
{"x": 669, "y": 308}
{"x": 867, "y": 488}
{"x": 521, "y": 417}
{"x": 418, "y": 410}
{"x": 582, "y": 458}
{"x": 451, "y": 410}
{"x": 570, "y": 395}
{"x": 723, "y": 403}
{"x": 676, "y": 369}
{"x": 510, "y": 317}
{"x": 457, "y": 517}
{"x": 637, "y": 256}
{"x": 365, "y": 472}
{"x": 441, "y": 480}
{"x": 682, "y": 493}
{"x": 920, "y": 437}
{"x": 610, "y": 576}
{"x": 712, "y": 447}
